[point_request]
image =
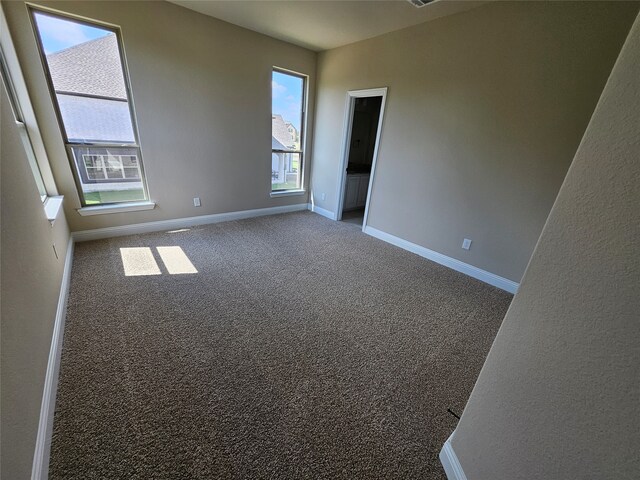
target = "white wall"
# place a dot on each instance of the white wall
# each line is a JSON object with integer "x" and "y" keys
{"x": 30, "y": 282}
{"x": 559, "y": 395}
{"x": 484, "y": 113}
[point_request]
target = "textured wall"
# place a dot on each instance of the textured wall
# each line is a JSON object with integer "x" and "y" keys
{"x": 484, "y": 113}
{"x": 29, "y": 287}
{"x": 202, "y": 92}
{"x": 558, "y": 396}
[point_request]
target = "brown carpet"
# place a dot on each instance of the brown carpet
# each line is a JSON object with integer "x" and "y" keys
{"x": 302, "y": 348}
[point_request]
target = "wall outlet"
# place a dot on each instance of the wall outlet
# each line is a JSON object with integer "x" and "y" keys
{"x": 196, "y": 201}
{"x": 323, "y": 196}
{"x": 466, "y": 244}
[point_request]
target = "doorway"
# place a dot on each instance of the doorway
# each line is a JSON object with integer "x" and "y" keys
{"x": 363, "y": 124}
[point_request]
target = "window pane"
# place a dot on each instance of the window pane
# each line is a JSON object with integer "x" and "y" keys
{"x": 130, "y": 161}
{"x": 287, "y": 100}
{"x": 33, "y": 162}
{"x": 24, "y": 134}
{"x": 109, "y": 174}
{"x": 92, "y": 160}
{"x": 130, "y": 172}
{"x": 285, "y": 171}
{"x": 95, "y": 174}
{"x": 88, "y": 120}
{"x": 86, "y": 72}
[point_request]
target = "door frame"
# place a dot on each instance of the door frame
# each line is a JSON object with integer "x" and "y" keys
{"x": 352, "y": 95}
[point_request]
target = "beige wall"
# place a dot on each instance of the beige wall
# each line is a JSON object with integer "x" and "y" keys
{"x": 29, "y": 288}
{"x": 484, "y": 113}
{"x": 558, "y": 396}
{"x": 202, "y": 93}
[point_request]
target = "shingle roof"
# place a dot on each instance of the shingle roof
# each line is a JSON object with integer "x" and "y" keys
{"x": 89, "y": 119}
{"x": 90, "y": 68}
{"x": 280, "y": 132}
{"x": 276, "y": 145}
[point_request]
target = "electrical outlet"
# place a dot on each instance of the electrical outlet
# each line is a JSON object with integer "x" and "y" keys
{"x": 323, "y": 196}
{"x": 196, "y": 201}
{"x": 466, "y": 244}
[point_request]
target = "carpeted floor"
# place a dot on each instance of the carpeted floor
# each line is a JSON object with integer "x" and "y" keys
{"x": 301, "y": 348}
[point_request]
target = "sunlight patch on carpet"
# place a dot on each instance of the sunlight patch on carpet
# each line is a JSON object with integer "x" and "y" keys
{"x": 139, "y": 261}
{"x": 176, "y": 260}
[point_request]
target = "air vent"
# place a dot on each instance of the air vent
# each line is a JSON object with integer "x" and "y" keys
{"x": 420, "y": 3}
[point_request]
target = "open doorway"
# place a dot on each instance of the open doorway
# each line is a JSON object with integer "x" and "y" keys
{"x": 363, "y": 123}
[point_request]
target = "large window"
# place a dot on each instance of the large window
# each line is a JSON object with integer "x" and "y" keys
{"x": 90, "y": 89}
{"x": 22, "y": 128}
{"x": 287, "y": 129}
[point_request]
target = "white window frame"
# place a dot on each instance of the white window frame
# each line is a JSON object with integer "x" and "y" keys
{"x": 27, "y": 124}
{"x": 22, "y": 128}
{"x": 104, "y": 207}
{"x": 301, "y": 190}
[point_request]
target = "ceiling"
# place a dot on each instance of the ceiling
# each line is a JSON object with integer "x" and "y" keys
{"x": 324, "y": 24}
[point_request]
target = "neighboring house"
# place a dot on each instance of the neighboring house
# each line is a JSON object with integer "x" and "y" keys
{"x": 91, "y": 92}
{"x": 294, "y": 133}
{"x": 284, "y": 136}
{"x": 284, "y": 132}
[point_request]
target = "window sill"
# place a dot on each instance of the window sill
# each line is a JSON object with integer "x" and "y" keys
{"x": 52, "y": 207}
{"x": 288, "y": 193}
{"x": 120, "y": 208}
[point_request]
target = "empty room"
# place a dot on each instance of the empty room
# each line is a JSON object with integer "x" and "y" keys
{"x": 381, "y": 239}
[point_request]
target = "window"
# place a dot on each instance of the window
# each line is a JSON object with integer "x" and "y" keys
{"x": 89, "y": 85}
{"x": 287, "y": 129}
{"x": 22, "y": 128}
{"x": 109, "y": 167}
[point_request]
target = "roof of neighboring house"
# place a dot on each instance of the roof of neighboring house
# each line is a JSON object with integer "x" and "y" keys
{"x": 276, "y": 145}
{"x": 89, "y": 119}
{"x": 280, "y": 132}
{"x": 90, "y": 68}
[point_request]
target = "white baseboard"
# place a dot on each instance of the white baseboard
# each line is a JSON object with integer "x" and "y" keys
{"x": 40, "y": 469}
{"x": 321, "y": 211}
{"x": 450, "y": 461}
{"x": 177, "y": 223}
{"x": 475, "y": 272}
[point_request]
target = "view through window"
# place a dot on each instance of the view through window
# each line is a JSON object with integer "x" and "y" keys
{"x": 287, "y": 122}
{"x": 86, "y": 75}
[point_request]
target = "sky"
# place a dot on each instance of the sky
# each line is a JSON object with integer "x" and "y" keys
{"x": 286, "y": 97}
{"x": 57, "y": 33}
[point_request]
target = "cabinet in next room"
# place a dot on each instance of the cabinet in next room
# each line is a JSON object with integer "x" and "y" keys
{"x": 356, "y": 191}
